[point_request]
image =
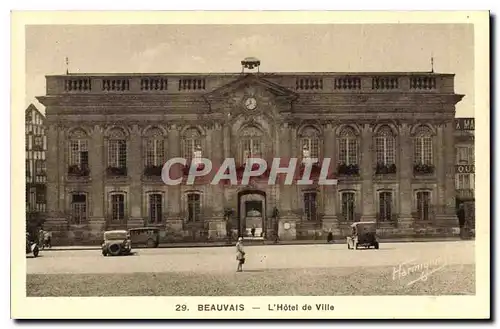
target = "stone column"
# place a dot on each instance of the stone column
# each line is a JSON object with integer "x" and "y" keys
{"x": 366, "y": 172}
{"x": 97, "y": 223}
{"x": 174, "y": 222}
{"x": 134, "y": 170}
{"x": 330, "y": 221}
{"x": 405, "y": 177}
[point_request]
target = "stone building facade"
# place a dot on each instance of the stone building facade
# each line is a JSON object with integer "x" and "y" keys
{"x": 390, "y": 137}
{"x": 465, "y": 167}
{"x": 36, "y": 147}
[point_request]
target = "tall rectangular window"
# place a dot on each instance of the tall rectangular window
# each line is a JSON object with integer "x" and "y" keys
{"x": 423, "y": 205}
{"x": 348, "y": 206}
{"x": 117, "y": 207}
{"x": 155, "y": 153}
{"x": 194, "y": 207}
{"x": 385, "y": 206}
{"x": 79, "y": 154}
{"x": 117, "y": 153}
{"x": 155, "y": 208}
{"x": 79, "y": 208}
{"x": 310, "y": 206}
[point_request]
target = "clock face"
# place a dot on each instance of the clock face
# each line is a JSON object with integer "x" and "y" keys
{"x": 250, "y": 103}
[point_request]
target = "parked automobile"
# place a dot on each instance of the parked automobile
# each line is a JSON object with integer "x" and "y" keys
{"x": 145, "y": 236}
{"x": 363, "y": 234}
{"x": 116, "y": 243}
{"x": 31, "y": 247}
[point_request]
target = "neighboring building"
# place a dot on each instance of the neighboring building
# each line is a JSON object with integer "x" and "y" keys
{"x": 36, "y": 146}
{"x": 391, "y": 134}
{"x": 465, "y": 167}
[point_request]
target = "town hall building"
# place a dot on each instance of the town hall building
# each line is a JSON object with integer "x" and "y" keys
{"x": 390, "y": 137}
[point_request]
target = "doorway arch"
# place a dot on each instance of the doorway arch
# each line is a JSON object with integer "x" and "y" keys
{"x": 251, "y": 212}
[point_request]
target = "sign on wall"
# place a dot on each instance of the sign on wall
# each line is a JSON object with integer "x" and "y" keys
{"x": 464, "y": 169}
{"x": 464, "y": 123}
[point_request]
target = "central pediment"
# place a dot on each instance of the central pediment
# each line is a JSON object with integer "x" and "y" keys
{"x": 250, "y": 81}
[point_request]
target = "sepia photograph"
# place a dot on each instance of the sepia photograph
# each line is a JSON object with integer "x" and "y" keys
{"x": 272, "y": 160}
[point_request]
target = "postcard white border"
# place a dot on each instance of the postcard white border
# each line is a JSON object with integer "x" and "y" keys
{"x": 346, "y": 307}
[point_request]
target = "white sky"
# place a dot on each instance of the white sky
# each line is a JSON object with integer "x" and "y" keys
{"x": 220, "y": 48}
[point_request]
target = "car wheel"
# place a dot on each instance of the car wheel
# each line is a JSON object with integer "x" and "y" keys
{"x": 115, "y": 249}
{"x": 35, "y": 252}
{"x": 150, "y": 243}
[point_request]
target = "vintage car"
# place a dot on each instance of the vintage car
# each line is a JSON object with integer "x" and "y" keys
{"x": 145, "y": 236}
{"x": 116, "y": 243}
{"x": 363, "y": 234}
{"x": 31, "y": 247}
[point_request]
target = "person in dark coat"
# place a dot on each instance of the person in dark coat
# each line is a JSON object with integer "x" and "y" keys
{"x": 329, "y": 237}
{"x": 240, "y": 254}
{"x": 461, "y": 219}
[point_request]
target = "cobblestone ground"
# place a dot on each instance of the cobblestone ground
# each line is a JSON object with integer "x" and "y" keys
{"x": 430, "y": 268}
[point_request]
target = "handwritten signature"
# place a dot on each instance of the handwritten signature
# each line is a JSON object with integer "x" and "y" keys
{"x": 422, "y": 269}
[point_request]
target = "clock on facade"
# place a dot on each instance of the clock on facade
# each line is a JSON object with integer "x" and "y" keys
{"x": 251, "y": 103}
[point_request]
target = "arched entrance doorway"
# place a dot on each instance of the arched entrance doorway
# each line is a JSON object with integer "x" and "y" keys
{"x": 252, "y": 209}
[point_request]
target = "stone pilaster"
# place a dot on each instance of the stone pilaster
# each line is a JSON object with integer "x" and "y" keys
{"x": 134, "y": 170}
{"x": 173, "y": 192}
{"x": 405, "y": 177}
{"x": 226, "y": 140}
{"x": 216, "y": 223}
{"x": 289, "y": 194}
{"x": 97, "y": 222}
{"x": 330, "y": 221}
{"x": 56, "y": 222}
{"x": 285, "y": 146}
{"x": 366, "y": 169}
{"x": 63, "y": 169}
{"x": 52, "y": 171}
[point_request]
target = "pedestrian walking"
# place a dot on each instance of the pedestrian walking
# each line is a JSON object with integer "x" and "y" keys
{"x": 329, "y": 237}
{"x": 47, "y": 241}
{"x": 240, "y": 254}
{"x": 41, "y": 238}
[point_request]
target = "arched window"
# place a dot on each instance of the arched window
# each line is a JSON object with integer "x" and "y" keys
{"x": 191, "y": 139}
{"x": 155, "y": 151}
{"x": 385, "y": 146}
{"x": 348, "y": 147}
{"x": 309, "y": 138}
{"x": 117, "y": 152}
{"x": 250, "y": 143}
{"x": 78, "y": 208}
{"x": 78, "y": 151}
{"x": 423, "y": 146}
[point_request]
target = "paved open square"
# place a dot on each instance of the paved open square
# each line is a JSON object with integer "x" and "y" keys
{"x": 426, "y": 268}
